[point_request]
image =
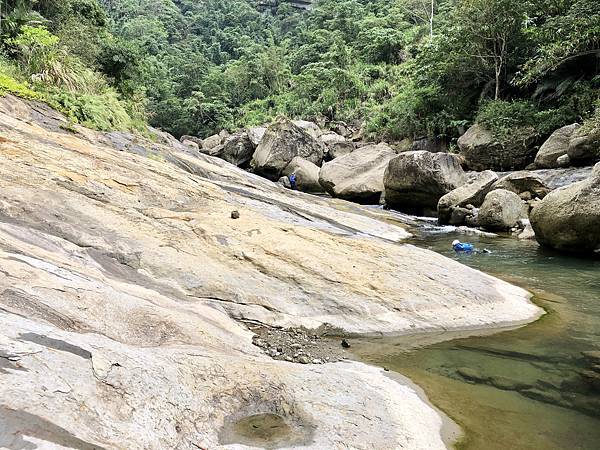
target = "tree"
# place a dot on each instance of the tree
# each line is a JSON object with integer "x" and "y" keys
{"x": 490, "y": 32}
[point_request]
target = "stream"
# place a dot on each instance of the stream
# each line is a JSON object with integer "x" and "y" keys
{"x": 519, "y": 388}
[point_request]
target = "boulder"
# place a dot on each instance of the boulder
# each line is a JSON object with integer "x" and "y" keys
{"x": 336, "y": 145}
{"x": 556, "y": 146}
{"x": 191, "y": 144}
{"x": 501, "y": 210}
{"x": 481, "y": 150}
{"x": 195, "y": 139}
{"x": 256, "y": 134}
{"x": 420, "y": 179}
{"x": 310, "y": 127}
{"x": 357, "y": 176}
{"x": 211, "y": 142}
{"x": 307, "y": 174}
{"x": 523, "y": 182}
{"x": 584, "y": 146}
{"x": 237, "y": 149}
{"x": 282, "y": 142}
{"x": 569, "y": 218}
{"x": 471, "y": 193}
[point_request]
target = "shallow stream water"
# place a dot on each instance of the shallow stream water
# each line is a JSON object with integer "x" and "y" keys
{"x": 520, "y": 388}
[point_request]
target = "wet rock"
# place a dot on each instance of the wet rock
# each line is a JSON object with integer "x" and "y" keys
{"x": 420, "y": 179}
{"x": 507, "y": 384}
{"x": 357, "y": 176}
{"x": 569, "y": 218}
{"x": 282, "y": 142}
{"x": 482, "y": 151}
{"x": 501, "y": 210}
{"x": 555, "y": 147}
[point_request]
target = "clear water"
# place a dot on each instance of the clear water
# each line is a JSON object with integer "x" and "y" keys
{"x": 522, "y": 388}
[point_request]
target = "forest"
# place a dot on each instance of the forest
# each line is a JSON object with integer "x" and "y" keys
{"x": 395, "y": 68}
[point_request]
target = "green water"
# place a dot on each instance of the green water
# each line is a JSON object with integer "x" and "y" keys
{"x": 518, "y": 389}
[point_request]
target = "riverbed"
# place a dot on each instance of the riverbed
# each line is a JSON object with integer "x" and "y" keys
{"x": 520, "y": 388}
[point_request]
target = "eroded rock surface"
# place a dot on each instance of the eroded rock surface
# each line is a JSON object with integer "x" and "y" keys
{"x": 125, "y": 283}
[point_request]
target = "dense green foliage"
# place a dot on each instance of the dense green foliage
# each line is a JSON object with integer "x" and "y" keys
{"x": 406, "y": 68}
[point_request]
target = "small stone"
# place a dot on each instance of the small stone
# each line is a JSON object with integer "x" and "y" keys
{"x": 385, "y": 369}
{"x": 303, "y": 360}
{"x": 280, "y": 349}
{"x": 296, "y": 346}
{"x": 345, "y": 343}
{"x": 317, "y": 361}
{"x": 273, "y": 353}
{"x": 235, "y": 214}
{"x": 288, "y": 359}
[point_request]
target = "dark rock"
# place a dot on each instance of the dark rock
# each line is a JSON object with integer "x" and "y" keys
{"x": 432, "y": 145}
{"x": 237, "y": 149}
{"x": 345, "y": 343}
{"x": 235, "y": 214}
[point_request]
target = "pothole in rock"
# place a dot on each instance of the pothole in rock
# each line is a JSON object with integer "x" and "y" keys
{"x": 264, "y": 430}
{"x": 300, "y": 345}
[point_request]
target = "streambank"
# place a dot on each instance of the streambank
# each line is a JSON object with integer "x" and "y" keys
{"x": 124, "y": 275}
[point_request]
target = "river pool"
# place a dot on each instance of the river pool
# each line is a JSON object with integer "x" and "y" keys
{"x": 520, "y": 388}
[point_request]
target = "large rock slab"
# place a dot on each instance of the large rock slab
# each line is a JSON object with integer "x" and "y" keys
{"x": 307, "y": 175}
{"x": 470, "y": 193}
{"x": 555, "y": 146}
{"x": 419, "y": 179}
{"x": 482, "y": 151}
{"x": 501, "y": 210}
{"x": 357, "y": 176}
{"x": 125, "y": 286}
{"x": 569, "y": 218}
{"x": 281, "y": 143}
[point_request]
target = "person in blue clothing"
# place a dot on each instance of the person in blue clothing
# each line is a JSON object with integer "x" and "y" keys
{"x": 292, "y": 178}
{"x": 465, "y": 247}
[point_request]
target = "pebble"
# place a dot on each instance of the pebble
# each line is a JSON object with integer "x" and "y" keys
{"x": 235, "y": 214}
{"x": 317, "y": 361}
{"x": 345, "y": 343}
{"x": 303, "y": 360}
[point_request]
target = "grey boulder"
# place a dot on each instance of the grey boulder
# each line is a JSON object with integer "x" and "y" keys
{"x": 481, "y": 150}
{"x": 307, "y": 175}
{"x": 568, "y": 219}
{"x": 282, "y": 142}
{"x": 584, "y": 146}
{"x": 420, "y": 179}
{"x": 523, "y": 182}
{"x": 237, "y": 149}
{"x": 471, "y": 193}
{"x": 336, "y": 145}
{"x": 555, "y": 147}
{"x": 501, "y": 210}
{"x": 357, "y": 176}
